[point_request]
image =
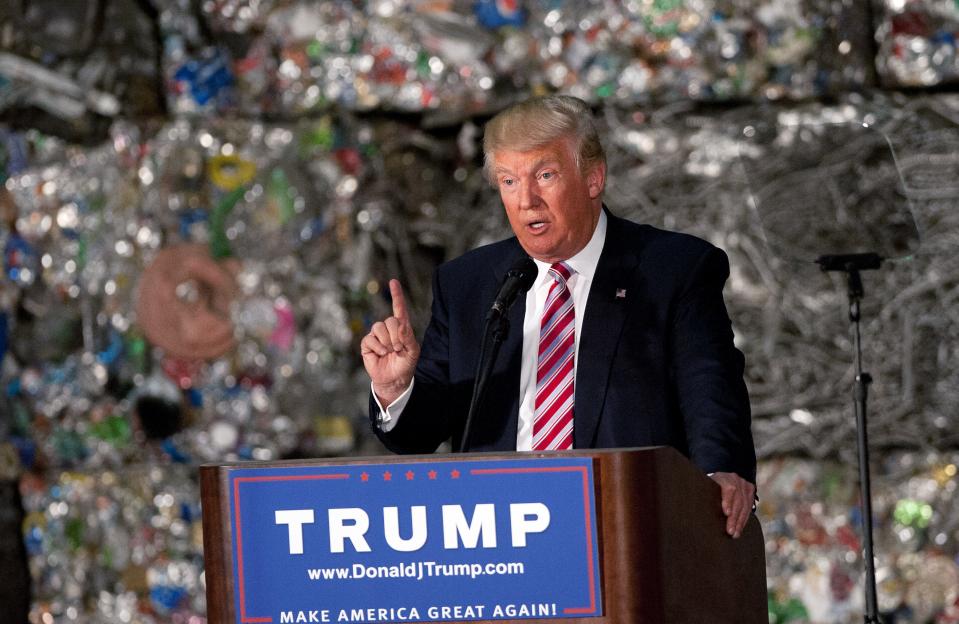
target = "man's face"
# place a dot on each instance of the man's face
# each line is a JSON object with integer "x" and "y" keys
{"x": 552, "y": 206}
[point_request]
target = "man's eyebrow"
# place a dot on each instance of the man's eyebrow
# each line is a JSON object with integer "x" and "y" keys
{"x": 539, "y": 164}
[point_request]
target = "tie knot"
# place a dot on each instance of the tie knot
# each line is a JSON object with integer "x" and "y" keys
{"x": 561, "y": 272}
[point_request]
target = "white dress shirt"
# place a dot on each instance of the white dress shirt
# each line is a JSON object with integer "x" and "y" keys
{"x": 584, "y": 267}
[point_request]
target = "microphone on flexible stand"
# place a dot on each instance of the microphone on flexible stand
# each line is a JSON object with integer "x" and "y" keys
{"x": 519, "y": 279}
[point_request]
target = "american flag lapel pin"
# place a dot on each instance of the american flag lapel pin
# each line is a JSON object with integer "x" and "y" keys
{"x": 620, "y": 293}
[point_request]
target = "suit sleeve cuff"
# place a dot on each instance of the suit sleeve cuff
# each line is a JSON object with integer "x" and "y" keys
{"x": 390, "y": 414}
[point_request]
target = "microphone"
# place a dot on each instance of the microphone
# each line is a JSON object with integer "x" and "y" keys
{"x": 519, "y": 279}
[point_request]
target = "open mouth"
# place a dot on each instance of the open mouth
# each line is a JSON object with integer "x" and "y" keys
{"x": 537, "y": 225}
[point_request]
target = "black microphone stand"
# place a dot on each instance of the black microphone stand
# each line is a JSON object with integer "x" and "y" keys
{"x": 852, "y": 265}
{"x": 497, "y": 326}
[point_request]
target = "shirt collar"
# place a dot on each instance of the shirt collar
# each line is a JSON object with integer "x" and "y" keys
{"x": 586, "y": 260}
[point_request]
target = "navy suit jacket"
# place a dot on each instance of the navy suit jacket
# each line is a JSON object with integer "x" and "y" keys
{"x": 656, "y": 362}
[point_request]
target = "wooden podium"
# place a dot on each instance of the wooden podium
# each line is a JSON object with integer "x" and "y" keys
{"x": 664, "y": 555}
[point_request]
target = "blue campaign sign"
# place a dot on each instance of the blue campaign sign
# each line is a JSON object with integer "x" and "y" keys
{"x": 415, "y": 542}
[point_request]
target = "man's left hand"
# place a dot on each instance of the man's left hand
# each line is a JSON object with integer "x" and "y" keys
{"x": 738, "y": 498}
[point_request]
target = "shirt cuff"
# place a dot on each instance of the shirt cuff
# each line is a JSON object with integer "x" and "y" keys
{"x": 390, "y": 415}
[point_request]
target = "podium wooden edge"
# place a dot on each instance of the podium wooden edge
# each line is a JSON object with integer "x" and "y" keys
{"x": 217, "y": 543}
{"x": 685, "y": 548}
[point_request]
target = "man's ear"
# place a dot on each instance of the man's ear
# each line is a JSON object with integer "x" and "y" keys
{"x": 596, "y": 180}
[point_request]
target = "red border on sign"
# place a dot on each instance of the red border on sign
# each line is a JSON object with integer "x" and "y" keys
{"x": 591, "y": 609}
{"x": 238, "y": 530}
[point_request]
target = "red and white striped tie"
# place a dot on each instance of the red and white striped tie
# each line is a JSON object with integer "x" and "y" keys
{"x": 553, "y": 410}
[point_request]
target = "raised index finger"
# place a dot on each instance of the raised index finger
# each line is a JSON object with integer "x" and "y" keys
{"x": 399, "y": 300}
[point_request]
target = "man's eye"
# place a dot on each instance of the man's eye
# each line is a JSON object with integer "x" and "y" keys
{"x": 547, "y": 175}
{"x": 508, "y": 181}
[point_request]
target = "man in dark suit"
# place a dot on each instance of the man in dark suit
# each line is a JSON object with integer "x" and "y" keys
{"x": 622, "y": 341}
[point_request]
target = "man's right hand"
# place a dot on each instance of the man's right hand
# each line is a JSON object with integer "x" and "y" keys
{"x": 390, "y": 351}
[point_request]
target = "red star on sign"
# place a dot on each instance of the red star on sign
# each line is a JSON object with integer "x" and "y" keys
{"x": 431, "y": 474}
{"x": 364, "y": 477}
{"x": 387, "y": 476}
{"x": 409, "y": 475}
{"x": 455, "y": 474}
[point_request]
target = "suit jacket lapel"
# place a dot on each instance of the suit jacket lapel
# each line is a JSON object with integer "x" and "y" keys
{"x": 605, "y": 315}
{"x": 501, "y": 407}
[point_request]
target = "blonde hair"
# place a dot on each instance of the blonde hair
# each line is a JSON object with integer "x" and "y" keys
{"x": 538, "y": 121}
